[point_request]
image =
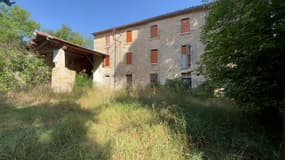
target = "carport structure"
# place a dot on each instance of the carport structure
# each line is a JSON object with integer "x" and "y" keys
{"x": 66, "y": 58}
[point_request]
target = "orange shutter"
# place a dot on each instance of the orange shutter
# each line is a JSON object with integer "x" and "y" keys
{"x": 129, "y": 58}
{"x": 185, "y": 25}
{"x": 184, "y": 49}
{"x": 107, "y": 61}
{"x": 129, "y": 36}
{"x": 153, "y": 57}
{"x": 153, "y": 31}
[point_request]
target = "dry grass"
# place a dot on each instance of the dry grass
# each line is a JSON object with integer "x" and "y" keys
{"x": 141, "y": 124}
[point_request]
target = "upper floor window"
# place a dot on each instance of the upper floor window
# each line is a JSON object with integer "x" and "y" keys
{"x": 107, "y": 61}
{"x": 129, "y": 58}
{"x": 129, "y": 36}
{"x": 154, "y": 56}
{"x": 185, "y": 25}
{"x": 107, "y": 40}
{"x": 154, "y": 31}
{"x": 186, "y": 56}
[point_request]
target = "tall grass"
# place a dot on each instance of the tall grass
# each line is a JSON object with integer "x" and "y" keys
{"x": 149, "y": 123}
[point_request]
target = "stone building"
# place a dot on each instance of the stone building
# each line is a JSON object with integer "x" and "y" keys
{"x": 152, "y": 50}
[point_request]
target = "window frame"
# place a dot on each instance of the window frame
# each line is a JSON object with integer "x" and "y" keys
{"x": 106, "y": 61}
{"x": 154, "y": 60}
{"x": 154, "y": 31}
{"x": 129, "y": 58}
{"x": 185, "y": 27}
{"x": 129, "y": 36}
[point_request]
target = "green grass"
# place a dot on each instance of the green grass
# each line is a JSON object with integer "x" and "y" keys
{"x": 140, "y": 124}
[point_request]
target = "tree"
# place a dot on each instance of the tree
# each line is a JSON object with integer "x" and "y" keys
{"x": 67, "y": 34}
{"x": 18, "y": 67}
{"x": 7, "y": 2}
{"x": 244, "y": 52}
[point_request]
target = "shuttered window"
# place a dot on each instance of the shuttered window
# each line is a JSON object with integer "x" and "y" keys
{"x": 185, "y": 25}
{"x": 184, "y": 49}
{"x": 107, "y": 61}
{"x": 129, "y": 37}
{"x": 154, "y": 31}
{"x": 186, "y": 56}
{"x": 153, "y": 56}
{"x": 129, "y": 58}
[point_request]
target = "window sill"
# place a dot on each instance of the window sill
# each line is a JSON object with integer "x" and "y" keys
{"x": 128, "y": 43}
{"x": 185, "y": 33}
{"x": 154, "y": 38}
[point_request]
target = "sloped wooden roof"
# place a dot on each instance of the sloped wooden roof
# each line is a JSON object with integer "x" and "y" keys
{"x": 43, "y": 42}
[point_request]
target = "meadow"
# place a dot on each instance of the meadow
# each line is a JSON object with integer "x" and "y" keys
{"x": 150, "y": 123}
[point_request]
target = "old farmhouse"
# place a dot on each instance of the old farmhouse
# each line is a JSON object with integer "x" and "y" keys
{"x": 137, "y": 54}
{"x": 152, "y": 50}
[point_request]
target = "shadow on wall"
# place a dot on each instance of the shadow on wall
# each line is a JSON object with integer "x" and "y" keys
{"x": 47, "y": 131}
{"x": 168, "y": 44}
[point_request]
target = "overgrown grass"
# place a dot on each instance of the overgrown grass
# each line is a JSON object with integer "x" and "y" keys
{"x": 151, "y": 123}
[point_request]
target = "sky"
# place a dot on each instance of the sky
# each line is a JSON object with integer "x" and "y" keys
{"x": 88, "y": 16}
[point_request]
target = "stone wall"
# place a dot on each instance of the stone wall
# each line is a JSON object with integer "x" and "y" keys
{"x": 168, "y": 44}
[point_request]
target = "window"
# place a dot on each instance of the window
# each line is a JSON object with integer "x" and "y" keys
{"x": 129, "y": 58}
{"x": 185, "y": 25}
{"x": 186, "y": 56}
{"x": 107, "y": 61}
{"x": 107, "y": 40}
{"x": 186, "y": 77}
{"x": 129, "y": 36}
{"x": 153, "y": 56}
{"x": 154, "y": 31}
{"x": 153, "y": 78}
{"x": 129, "y": 78}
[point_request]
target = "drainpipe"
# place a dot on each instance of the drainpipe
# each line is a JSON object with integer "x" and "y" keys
{"x": 115, "y": 56}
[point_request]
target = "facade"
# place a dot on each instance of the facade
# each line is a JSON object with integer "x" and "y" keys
{"x": 151, "y": 51}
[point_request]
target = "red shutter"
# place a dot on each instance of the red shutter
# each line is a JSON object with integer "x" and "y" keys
{"x": 184, "y": 49}
{"x": 153, "y": 31}
{"x": 129, "y": 36}
{"x": 153, "y": 56}
{"x": 129, "y": 58}
{"x": 185, "y": 25}
{"x": 107, "y": 61}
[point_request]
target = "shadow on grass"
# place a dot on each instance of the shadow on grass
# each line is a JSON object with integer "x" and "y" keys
{"x": 215, "y": 128}
{"x": 47, "y": 131}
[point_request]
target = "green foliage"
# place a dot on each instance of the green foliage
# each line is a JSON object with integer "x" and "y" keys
{"x": 18, "y": 67}
{"x": 105, "y": 125}
{"x": 244, "y": 51}
{"x": 15, "y": 25}
{"x": 83, "y": 80}
{"x": 75, "y": 37}
{"x": 7, "y": 2}
{"x": 177, "y": 85}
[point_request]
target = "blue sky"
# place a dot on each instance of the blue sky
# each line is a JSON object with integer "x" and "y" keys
{"x": 88, "y": 16}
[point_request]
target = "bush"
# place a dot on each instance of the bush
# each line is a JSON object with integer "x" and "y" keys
{"x": 83, "y": 80}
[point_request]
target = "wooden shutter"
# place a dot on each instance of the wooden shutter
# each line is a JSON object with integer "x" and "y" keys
{"x": 185, "y": 25}
{"x": 153, "y": 31}
{"x": 153, "y": 56}
{"x": 129, "y": 36}
{"x": 129, "y": 58}
{"x": 107, "y": 61}
{"x": 184, "y": 49}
